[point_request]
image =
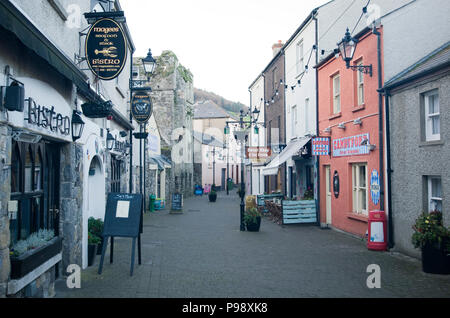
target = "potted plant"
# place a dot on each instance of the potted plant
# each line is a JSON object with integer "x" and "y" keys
{"x": 212, "y": 196}
{"x": 93, "y": 242}
{"x": 434, "y": 240}
{"x": 95, "y": 226}
{"x": 252, "y": 219}
{"x": 28, "y": 254}
{"x": 309, "y": 194}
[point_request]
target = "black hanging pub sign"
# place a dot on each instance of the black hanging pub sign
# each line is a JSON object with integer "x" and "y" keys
{"x": 106, "y": 48}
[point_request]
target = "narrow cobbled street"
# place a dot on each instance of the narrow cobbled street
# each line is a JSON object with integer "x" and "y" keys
{"x": 202, "y": 253}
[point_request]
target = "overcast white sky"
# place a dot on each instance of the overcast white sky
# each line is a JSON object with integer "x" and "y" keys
{"x": 225, "y": 43}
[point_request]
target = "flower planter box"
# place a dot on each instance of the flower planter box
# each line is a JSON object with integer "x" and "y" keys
{"x": 92, "y": 252}
{"x": 435, "y": 261}
{"x": 254, "y": 227}
{"x": 27, "y": 262}
{"x": 212, "y": 197}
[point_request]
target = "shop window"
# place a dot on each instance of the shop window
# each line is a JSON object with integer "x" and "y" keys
{"x": 28, "y": 173}
{"x": 359, "y": 176}
{"x": 28, "y": 170}
{"x": 432, "y": 116}
{"x": 434, "y": 186}
{"x": 16, "y": 170}
{"x": 336, "y": 94}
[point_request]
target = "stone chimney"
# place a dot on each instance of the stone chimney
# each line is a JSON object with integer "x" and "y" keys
{"x": 277, "y": 47}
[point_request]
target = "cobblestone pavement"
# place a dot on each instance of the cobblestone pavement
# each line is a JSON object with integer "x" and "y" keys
{"x": 202, "y": 253}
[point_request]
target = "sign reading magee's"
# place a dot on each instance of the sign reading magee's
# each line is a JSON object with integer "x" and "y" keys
{"x": 141, "y": 107}
{"x": 106, "y": 49}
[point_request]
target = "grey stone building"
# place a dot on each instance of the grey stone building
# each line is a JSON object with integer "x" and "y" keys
{"x": 51, "y": 180}
{"x": 418, "y": 103}
{"x": 173, "y": 98}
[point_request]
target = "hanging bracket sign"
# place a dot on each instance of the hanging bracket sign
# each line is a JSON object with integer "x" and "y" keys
{"x": 141, "y": 107}
{"x": 106, "y": 49}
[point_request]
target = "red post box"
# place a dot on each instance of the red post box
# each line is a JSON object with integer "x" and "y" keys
{"x": 377, "y": 238}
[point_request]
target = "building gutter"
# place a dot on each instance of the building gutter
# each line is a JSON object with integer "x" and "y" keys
{"x": 316, "y": 31}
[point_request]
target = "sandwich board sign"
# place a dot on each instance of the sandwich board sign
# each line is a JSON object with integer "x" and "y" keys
{"x": 123, "y": 218}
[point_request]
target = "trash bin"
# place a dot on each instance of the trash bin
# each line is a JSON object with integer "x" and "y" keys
{"x": 230, "y": 184}
{"x": 152, "y": 203}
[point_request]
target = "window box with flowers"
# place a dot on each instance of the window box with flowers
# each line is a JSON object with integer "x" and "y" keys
{"x": 29, "y": 254}
{"x": 434, "y": 240}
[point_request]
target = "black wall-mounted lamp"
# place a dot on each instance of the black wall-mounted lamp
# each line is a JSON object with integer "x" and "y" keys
{"x": 12, "y": 97}
{"x": 347, "y": 48}
{"x": 77, "y": 125}
{"x": 110, "y": 141}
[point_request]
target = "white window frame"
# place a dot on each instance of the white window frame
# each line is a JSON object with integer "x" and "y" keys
{"x": 429, "y": 135}
{"x": 306, "y": 115}
{"x": 433, "y": 199}
{"x": 360, "y": 84}
{"x": 294, "y": 121}
{"x": 300, "y": 57}
{"x": 336, "y": 94}
{"x": 358, "y": 189}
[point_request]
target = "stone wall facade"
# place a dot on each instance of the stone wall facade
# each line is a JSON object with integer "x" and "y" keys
{"x": 70, "y": 222}
{"x": 173, "y": 98}
{"x": 5, "y": 186}
{"x": 414, "y": 159}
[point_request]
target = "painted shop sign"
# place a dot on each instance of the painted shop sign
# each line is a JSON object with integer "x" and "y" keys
{"x": 375, "y": 187}
{"x": 321, "y": 146}
{"x": 106, "y": 49}
{"x": 257, "y": 152}
{"x": 47, "y": 118}
{"x": 350, "y": 146}
{"x": 141, "y": 107}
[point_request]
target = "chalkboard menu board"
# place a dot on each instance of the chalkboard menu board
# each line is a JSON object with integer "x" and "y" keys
{"x": 123, "y": 215}
{"x": 177, "y": 202}
{"x": 123, "y": 218}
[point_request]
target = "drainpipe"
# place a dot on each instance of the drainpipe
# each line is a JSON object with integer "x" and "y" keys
{"x": 249, "y": 142}
{"x": 380, "y": 118}
{"x": 389, "y": 172}
{"x": 131, "y": 123}
{"x": 317, "y": 114}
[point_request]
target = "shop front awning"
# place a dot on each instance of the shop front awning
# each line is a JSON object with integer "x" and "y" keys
{"x": 291, "y": 149}
{"x": 161, "y": 161}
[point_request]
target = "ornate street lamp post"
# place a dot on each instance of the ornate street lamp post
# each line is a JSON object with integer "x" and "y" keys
{"x": 242, "y": 137}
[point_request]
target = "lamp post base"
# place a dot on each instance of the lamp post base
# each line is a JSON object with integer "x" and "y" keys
{"x": 242, "y": 215}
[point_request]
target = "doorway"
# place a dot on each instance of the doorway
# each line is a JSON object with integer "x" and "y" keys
{"x": 328, "y": 194}
{"x": 223, "y": 178}
{"x": 96, "y": 189}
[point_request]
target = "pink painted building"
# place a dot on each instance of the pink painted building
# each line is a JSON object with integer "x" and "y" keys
{"x": 348, "y": 108}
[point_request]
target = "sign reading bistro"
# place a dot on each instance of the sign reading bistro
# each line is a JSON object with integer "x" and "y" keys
{"x": 106, "y": 49}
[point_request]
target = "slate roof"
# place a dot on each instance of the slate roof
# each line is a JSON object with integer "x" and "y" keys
{"x": 433, "y": 61}
{"x": 209, "y": 109}
{"x": 206, "y": 139}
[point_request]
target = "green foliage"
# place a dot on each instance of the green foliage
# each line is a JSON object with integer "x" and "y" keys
{"x": 93, "y": 239}
{"x": 251, "y": 215}
{"x": 309, "y": 194}
{"x": 429, "y": 229}
{"x": 95, "y": 226}
{"x": 185, "y": 74}
{"x": 95, "y": 230}
{"x": 35, "y": 240}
